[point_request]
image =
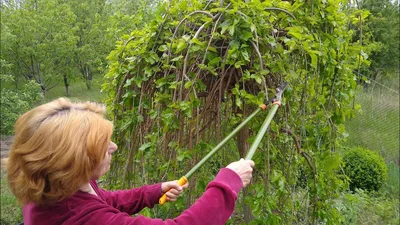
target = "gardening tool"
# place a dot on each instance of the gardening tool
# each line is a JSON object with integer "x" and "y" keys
{"x": 275, "y": 104}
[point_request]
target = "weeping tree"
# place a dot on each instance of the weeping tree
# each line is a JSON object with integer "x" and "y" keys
{"x": 181, "y": 83}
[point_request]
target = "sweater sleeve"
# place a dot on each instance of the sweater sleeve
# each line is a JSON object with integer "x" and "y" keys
{"x": 133, "y": 200}
{"x": 214, "y": 207}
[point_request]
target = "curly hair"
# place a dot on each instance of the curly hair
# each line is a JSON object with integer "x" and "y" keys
{"x": 56, "y": 148}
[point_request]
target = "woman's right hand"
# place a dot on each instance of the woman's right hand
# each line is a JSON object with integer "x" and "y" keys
{"x": 243, "y": 168}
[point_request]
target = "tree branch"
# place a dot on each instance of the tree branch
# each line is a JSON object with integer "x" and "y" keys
{"x": 282, "y": 10}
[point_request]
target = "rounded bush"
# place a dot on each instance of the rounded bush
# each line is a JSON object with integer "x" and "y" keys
{"x": 366, "y": 169}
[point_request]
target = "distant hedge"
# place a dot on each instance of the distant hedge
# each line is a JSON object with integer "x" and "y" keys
{"x": 366, "y": 169}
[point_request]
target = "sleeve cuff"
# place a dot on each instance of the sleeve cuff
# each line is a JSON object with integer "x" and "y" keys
{"x": 230, "y": 178}
{"x": 154, "y": 193}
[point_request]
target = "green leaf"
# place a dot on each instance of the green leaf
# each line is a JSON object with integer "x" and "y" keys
{"x": 177, "y": 58}
{"x": 162, "y": 48}
{"x": 188, "y": 84}
{"x": 253, "y": 27}
{"x": 186, "y": 37}
{"x": 212, "y": 49}
{"x": 145, "y": 146}
{"x": 128, "y": 82}
{"x": 363, "y": 54}
{"x": 225, "y": 26}
{"x": 196, "y": 41}
{"x": 245, "y": 56}
{"x": 238, "y": 102}
{"x": 180, "y": 46}
{"x": 296, "y": 35}
{"x": 161, "y": 82}
{"x": 215, "y": 61}
{"x": 245, "y": 35}
{"x": 232, "y": 30}
{"x": 314, "y": 60}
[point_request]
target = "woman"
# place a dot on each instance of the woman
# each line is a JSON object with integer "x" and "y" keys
{"x": 61, "y": 148}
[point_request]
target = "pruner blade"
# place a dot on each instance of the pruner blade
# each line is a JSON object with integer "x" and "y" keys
{"x": 279, "y": 90}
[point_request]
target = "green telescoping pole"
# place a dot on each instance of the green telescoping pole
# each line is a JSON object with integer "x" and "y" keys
{"x": 183, "y": 180}
{"x": 262, "y": 131}
{"x": 222, "y": 143}
{"x": 275, "y": 105}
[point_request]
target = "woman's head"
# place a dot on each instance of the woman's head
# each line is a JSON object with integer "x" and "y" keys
{"x": 57, "y": 147}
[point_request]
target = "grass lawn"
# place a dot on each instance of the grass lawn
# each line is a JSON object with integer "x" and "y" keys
{"x": 78, "y": 91}
{"x": 376, "y": 128}
{"x": 10, "y": 210}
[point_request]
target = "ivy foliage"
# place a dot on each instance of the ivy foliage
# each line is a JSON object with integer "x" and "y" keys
{"x": 183, "y": 81}
{"x": 366, "y": 169}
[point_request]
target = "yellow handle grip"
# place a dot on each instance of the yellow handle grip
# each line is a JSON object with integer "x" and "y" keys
{"x": 182, "y": 181}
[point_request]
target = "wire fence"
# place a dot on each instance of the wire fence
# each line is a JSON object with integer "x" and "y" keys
{"x": 376, "y": 127}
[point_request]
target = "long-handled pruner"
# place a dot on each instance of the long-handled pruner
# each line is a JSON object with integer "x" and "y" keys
{"x": 275, "y": 104}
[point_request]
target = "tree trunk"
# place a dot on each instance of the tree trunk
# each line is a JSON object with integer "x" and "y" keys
{"x": 43, "y": 90}
{"x": 66, "y": 84}
{"x": 89, "y": 84}
{"x": 40, "y": 79}
{"x": 88, "y": 77}
{"x": 242, "y": 143}
{"x": 248, "y": 216}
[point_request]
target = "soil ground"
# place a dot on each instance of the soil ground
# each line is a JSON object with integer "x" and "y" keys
{"x": 5, "y": 143}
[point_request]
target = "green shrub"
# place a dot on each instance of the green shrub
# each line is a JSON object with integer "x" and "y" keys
{"x": 362, "y": 207}
{"x": 366, "y": 169}
{"x": 16, "y": 102}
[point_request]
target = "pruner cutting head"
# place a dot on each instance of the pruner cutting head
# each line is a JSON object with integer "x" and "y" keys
{"x": 279, "y": 90}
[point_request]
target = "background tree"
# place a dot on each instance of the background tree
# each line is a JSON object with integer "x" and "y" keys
{"x": 13, "y": 102}
{"x": 382, "y": 30}
{"x": 42, "y": 40}
{"x": 92, "y": 45}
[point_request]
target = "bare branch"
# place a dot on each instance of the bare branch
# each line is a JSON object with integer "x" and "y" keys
{"x": 53, "y": 86}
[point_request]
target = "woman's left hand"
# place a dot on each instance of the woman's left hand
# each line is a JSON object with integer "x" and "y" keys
{"x": 173, "y": 189}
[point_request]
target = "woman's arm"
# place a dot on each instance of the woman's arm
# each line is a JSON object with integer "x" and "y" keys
{"x": 214, "y": 207}
{"x": 130, "y": 201}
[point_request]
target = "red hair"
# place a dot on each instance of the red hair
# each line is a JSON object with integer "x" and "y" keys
{"x": 56, "y": 148}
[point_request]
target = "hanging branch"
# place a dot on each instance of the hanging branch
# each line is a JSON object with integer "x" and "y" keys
{"x": 262, "y": 67}
{"x": 211, "y": 38}
{"x": 305, "y": 155}
{"x": 180, "y": 23}
{"x": 282, "y": 10}
{"x": 160, "y": 29}
{"x": 309, "y": 159}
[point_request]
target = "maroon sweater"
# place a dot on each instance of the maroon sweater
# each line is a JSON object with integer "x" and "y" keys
{"x": 214, "y": 207}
